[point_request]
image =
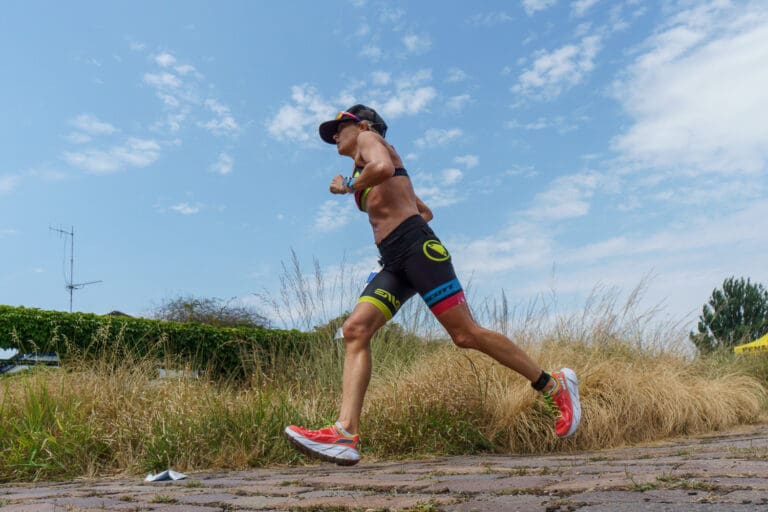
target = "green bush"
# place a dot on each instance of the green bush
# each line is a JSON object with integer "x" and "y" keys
{"x": 226, "y": 351}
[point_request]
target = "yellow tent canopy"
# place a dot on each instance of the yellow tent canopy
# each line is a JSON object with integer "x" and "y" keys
{"x": 753, "y": 347}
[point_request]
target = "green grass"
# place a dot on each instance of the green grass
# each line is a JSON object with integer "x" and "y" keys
{"x": 163, "y": 498}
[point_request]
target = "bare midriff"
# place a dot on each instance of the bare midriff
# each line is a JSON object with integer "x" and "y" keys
{"x": 389, "y": 203}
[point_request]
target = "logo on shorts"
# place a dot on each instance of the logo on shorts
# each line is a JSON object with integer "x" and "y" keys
{"x": 435, "y": 251}
{"x": 388, "y": 296}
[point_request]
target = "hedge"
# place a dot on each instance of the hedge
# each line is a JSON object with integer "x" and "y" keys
{"x": 216, "y": 349}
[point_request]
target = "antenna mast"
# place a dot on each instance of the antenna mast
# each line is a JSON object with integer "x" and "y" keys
{"x": 71, "y": 286}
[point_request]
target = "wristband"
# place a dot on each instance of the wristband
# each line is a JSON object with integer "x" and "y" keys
{"x": 348, "y": 181}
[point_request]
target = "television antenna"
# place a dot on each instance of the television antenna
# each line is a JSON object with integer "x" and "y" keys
{"x": 71, "y": 286}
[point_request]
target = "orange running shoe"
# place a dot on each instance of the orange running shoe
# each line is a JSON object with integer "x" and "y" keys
{"x": 565, "y": 403}
{"x": 329, "y": 444}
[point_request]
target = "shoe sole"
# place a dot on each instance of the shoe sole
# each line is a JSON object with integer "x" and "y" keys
{"x": 573, "y": 391}
{"x": 297, "y": 441}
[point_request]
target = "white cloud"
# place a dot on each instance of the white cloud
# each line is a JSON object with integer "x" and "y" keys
{"x": 92, "y": 125}
{"x": 407, "y": 101}
{"x": 6, "y": 232}
{"x": 134, "y": 152}
{"x": 8, "y": 183}
{"x": 46, "y": 173}
{"x": 224, "y": 123}
{"x": 94, "y": 161}
{"x": 417, "y": 44}
{"x": 372, "y": 52}
{"x": 468, "y": 161}
{"x": 186, "y": 208}
{"x": 489, "y": 19}
{"x": 411, "y": 95}
{"x": 556, "y": 71}
{"x": 78, "y": 138}
{"x": 697, "y": 94}
{"x": 162, "y": 80}
{"x": 363, "y": 30}
{"x": 567, "y": 197}
{"x": 532, "y": 6}
{"x": 562, "y": 124}
{"x": 437, "y": 196}
{"x": 391, "y": 16}
{"x": 223, "y": 165}
{"x": 185, "y": 69}
{"x": 689, "y": 257}
{"x": 580, "y": 7}
{"x": 456, "y": 75}
{"x": 169, "y": 100}
{"x": 138, "y": 152}
{"x": 178, "y": 85}
{"x": 451, "y": 176}
{"x": 525, "y": 171}
{"x": 333, "y": 215}
{"x": 165, "y": 59}
{"x": 702, "y": 234}
{"x": 380, "y": 78}
{"x": 174, "y": 120}
{"x": 457, "y": 102}
{"x": 538, "y": 124}
{"x": 520, "y": 245}
{"x": 299, "y": 121}
{"x": 435, "y": 137}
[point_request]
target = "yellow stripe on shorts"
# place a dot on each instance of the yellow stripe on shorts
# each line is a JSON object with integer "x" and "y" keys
{"x": 380, "y": 305}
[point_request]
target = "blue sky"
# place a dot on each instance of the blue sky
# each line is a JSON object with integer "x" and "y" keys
{"x": 562, "y": 145}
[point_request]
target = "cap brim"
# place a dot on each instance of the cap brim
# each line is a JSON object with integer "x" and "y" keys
{"x": 328, "y": 130}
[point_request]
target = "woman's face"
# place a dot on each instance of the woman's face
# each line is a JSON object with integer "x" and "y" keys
{"x": 346, "y": 138}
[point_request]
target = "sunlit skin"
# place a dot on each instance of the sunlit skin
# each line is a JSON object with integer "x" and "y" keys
{"x": 391, "y": 201}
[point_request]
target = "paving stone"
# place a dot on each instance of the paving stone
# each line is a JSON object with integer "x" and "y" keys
{"x": 43, "y": 507}
{"x": 494, "y": 485}
{"x": 375, "y": 501}
{"x": 32, "y": 494}
{"x": 669, "y": 507}
{"x": 724, "y": 472}
{"x": 257, "y": 502}
{"x": 736, "y": 482}
{"x": 518, "y": 503}
{"x": 616, "y": 497}
{"x": 164, "y": 507}
{"x": 365, "y": 482}
{"x": 207, "y": 497}
{"x": 93, "y": 502}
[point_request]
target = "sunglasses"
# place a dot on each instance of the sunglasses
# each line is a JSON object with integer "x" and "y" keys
{"x": 342, "y": 115}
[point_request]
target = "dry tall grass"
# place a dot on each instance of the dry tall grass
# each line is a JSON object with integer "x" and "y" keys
{"x": 112, "y": 414}
{"x": 627, "y": 397}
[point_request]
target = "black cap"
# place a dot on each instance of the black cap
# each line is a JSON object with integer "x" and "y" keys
{"x": 358, "y": 113}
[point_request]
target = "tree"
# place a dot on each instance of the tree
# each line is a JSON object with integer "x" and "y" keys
{"x": 736, "y": 314}
{"x": 211, "y": 311}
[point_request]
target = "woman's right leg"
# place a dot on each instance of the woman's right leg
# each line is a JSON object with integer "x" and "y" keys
{"x": 358, "y": 330}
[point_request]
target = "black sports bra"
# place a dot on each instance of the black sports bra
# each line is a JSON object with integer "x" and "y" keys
{"x": 361, "y": 195}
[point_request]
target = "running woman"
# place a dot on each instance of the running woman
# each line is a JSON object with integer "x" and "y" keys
{"x": 414, "y": 261}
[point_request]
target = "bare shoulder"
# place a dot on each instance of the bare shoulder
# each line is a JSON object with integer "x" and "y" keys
{"x": 368, "y": 138}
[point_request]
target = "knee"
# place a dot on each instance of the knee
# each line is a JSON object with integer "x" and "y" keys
{"x": 464, "y": 338}
{"x": 356, "y": 332}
